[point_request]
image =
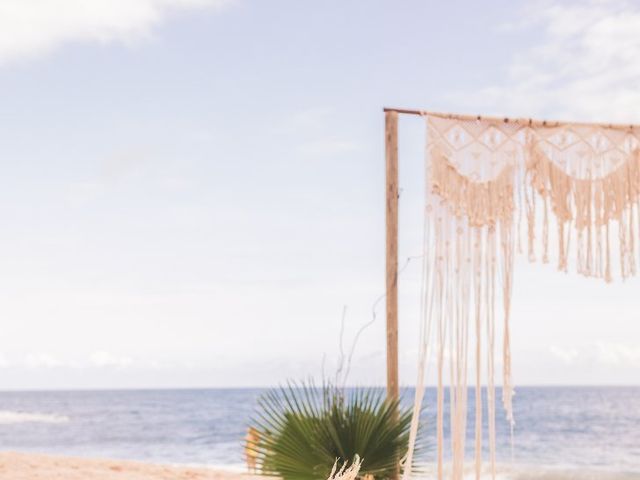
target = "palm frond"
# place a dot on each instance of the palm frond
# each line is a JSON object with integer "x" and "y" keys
{"x": 302, "y": 430}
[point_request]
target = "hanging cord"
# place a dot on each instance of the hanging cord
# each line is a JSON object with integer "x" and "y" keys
{"x": 341, "y": 344}
{"x": 423, "y": 354}
{"x": 374, "y": 316}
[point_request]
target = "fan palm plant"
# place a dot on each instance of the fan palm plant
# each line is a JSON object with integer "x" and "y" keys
{"x": 302, "y": 430}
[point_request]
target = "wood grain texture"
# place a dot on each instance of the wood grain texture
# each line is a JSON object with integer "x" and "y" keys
{"x": 391, "y": 156}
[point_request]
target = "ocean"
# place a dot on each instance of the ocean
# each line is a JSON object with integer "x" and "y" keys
{"x": 561, "y": 432}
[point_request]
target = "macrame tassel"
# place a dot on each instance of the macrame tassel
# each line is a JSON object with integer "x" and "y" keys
{"x": 531, "y": 223}
{"x": 562, "y": 253}
{"x": 490, "y": 326}
{"x": 607, "y": 268}
{"x": 477, "y": 285}
{"x": 426, "y": 303}
{"x": 506, "y": 242}
{"x": 439, "y": 286}
{"x": 520, "y": 207}
{"x": 632, "y": 242}
{"x": 545, "y": 232}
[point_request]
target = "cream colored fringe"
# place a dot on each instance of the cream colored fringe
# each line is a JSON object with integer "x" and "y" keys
{"x": 472, "y": 229}
{"x": 594, "y": 207}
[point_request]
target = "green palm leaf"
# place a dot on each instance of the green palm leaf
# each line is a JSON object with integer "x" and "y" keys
{"x": 302, "y": 430}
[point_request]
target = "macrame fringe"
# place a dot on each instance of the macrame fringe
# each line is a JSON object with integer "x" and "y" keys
{"x": 480, "y": 203}
{"x": 589, "y": 208}
{"x": 484, "y": 179}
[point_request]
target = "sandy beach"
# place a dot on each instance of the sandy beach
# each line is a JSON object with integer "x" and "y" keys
{"x": 21, "y": 466}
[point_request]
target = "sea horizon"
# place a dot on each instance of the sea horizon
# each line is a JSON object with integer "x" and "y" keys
{"x": 266, "y": 387}
{"x": 572, "y": 428}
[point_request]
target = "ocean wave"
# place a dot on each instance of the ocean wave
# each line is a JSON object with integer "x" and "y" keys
{"x": 8, "y": 417}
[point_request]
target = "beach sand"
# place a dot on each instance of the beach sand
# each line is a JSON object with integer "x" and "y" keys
{"x": 21, "y": 466}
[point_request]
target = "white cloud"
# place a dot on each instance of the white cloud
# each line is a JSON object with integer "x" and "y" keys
{"x": 29, "y": 28}
{"x": 584, "y": 65}
{"x": 567, "y": 355}
{"x": 42, "y": 360}
{"x": 605, "y": 354}
{"x": 618, "y": 354}
{"x": 4, "y": 363}
{"x": 105, "y": 359}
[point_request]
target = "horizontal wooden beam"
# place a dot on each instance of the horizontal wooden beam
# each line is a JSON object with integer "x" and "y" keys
{"x": 522, "y": 121}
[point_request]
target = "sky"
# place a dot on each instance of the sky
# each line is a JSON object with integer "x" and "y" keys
{"x": 192, "y": 191}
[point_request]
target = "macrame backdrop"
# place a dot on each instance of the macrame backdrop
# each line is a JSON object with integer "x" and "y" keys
{"x": 495, "y": 187}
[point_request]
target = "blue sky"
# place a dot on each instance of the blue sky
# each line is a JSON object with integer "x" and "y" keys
{"x": 193, "y": 189}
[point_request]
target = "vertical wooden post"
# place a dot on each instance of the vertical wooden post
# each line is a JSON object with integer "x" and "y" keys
{"x": 391, "y": 156}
